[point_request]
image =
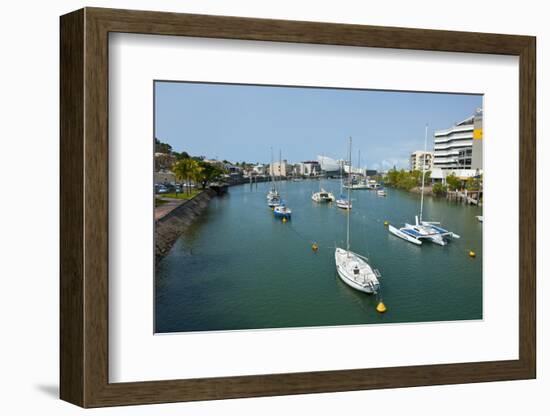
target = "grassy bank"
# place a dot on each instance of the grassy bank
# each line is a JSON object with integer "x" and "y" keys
{"x": 181, "y": 195}
{"x": 162, "y": 199}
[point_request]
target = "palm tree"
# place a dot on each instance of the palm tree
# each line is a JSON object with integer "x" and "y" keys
{"x": 185, "y": 170}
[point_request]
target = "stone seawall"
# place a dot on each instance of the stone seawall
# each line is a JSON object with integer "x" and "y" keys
{"x": 174, "y": 223}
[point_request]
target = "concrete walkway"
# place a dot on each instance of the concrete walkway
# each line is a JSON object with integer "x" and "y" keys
{"x": 164, "y": 209}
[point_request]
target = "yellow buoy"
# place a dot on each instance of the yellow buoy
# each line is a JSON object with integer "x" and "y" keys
{"x": 381, "y": 308}
{"x": 472, "y": 253}
{"x": 284, "y": 219}
{"x": 314, "y": 247}
{"x": 386, "y": 223}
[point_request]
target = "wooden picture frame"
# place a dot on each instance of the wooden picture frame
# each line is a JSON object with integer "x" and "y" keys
{"x": 84, "y": 207}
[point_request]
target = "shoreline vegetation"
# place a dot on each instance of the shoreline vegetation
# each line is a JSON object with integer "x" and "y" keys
{"x": 412, "y": 181}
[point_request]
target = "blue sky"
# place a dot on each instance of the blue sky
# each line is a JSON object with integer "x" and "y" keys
{"x": 242, "y": 122}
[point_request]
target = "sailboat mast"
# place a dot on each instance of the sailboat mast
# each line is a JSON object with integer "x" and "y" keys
{"x": 280, "y": 162}
{"x": 349, "y": 195}
{"x": 272, "y": 171}
{"x": 341, "y": 178}
{"x": 423, "y": 173}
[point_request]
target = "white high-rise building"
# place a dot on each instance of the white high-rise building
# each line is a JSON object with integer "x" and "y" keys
{"x": 459, "y": 147}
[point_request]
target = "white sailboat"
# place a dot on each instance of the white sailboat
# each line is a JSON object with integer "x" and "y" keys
{"x": 423, "y": 230}
{"x": 359, "y": 182}
{"x": 354, "y": 269}
{"x": 280, "y": 210}
{"x": 273, "y": 197}
{"x": 343, "y": 202}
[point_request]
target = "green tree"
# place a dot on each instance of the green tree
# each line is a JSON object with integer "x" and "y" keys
{"x": 209, "y": 172}
{"x": 439, "y": 189}
{"x": 161, "y": 147}
{"x": 181, "y": 155}
{"x": 473, "y": 184}
{"x": 186, "y": 170}
{"x": 453, "y": 182}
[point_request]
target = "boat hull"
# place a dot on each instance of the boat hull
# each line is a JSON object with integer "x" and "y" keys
{"x": 398, "y": 233}
{"x": 281, "y": 212}
{"x": 343, "y": 204}
{"x": 324, "y": 197}
{"x": 366, "y": 282}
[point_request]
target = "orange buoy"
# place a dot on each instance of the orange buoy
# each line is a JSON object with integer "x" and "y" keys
{"x": 314, "y": 247}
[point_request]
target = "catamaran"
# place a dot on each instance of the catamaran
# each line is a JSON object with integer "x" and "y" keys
{"x": 354, "y": 269}
{"x": 323, "y": 196}
{"x": 423, "y": 230}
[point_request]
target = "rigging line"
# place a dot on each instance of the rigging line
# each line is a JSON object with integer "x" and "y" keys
{"x": 303, "y": 237}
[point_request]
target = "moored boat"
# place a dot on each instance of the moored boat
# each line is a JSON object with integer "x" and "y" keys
{"x": 282, "y": 211}
{"x": 352, "y": 268}
{"x": 274, "y": 201}
{"x": 343, "y": 203}
{"x": 423, "y": 230}
{"x": 323, "y": 196}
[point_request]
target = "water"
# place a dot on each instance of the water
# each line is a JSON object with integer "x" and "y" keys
{"x": 239, "y": 268}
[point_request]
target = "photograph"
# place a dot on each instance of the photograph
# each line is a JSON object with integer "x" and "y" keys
{"x": 299, "y": 206}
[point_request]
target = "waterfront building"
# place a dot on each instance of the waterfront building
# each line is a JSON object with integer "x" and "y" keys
{"x": 440, "y": 175}
{"x": 329, "y": 165}
{"x": 259, "y": 169}
{"x": 420, "y": 160}
{"x": 310, "y": 168}
{"x": 282, "y": 168}
{"x": 460, "y": 146}
{"x": 233, "y": 169}
{"x": 164, "y": 176}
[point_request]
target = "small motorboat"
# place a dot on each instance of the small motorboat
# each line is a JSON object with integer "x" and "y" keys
{"x": 282, "y": 211}
{"x": 343, "y": 203}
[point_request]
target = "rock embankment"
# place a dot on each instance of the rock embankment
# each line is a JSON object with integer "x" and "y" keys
{"x": 427, "y": 190}
{"x": 173, "y": 223}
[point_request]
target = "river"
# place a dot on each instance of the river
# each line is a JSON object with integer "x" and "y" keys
{"x": 239, "y": 268}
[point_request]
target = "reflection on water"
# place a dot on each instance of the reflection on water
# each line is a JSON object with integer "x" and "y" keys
{"x": 239, "y": 268}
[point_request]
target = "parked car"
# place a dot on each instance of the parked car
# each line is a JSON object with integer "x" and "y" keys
{"x": 170, "y": 188}
{"x": 161, "y": 189}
